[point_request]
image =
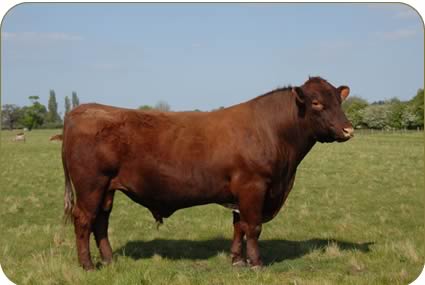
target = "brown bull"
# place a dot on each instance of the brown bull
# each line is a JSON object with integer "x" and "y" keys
{"x": 244, "y": 157}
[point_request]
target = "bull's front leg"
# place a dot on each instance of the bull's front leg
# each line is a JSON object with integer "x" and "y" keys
{"x": 238, "y": 234}
{"x": 251, "y": 200}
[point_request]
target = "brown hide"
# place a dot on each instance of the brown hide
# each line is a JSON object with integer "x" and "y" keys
{"x": 244, "y": 156}
{"x": 57, "y": 137}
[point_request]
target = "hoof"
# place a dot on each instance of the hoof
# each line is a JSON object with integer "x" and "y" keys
{"x": 106, "y": 261}
{"x": 239, "y": 263}
{"x": 88, "y": 267}
{"x": 103, "y": 263}
{"x": 256, "y": 267}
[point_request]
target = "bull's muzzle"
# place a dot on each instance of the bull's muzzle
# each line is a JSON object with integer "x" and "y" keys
{"x": 348, "y": 132}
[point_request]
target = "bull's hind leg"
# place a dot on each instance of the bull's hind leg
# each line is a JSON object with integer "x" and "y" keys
{"x": 238, "y": 234}
{"x": 88, "y": 202}
{"x": 100, "y": 228}
{"x": 83, "y": 220}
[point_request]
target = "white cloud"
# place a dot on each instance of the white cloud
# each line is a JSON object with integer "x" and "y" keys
{"x": 398, "y": 34}
{"x": 36, "y": 36}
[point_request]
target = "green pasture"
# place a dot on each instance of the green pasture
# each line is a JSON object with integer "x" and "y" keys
{"x": 355, "y": 216}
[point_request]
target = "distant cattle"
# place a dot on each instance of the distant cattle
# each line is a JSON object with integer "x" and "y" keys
{"x": 20, "y": 137}
{"x": 57, "y": 137}
{"x": 244, "y": 157}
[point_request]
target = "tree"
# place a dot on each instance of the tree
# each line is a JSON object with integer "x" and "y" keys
{"x": 67, "y": 105}
{"x": 52, "y": 115}
{"x": 145, "y": 107}
{"x": 409, "y": 118}
{"x": 375, "y": 116}
{"x": 11, "y": 114}
{"x": 352, "y": 108}
{"x": 75, "y": 100}
{"x": 217, "y": 109}
{"x": 417, "y": 105}
{"x": 33, "y": 98}
{"x": 396, "y": 110}
{"x": 33, "y": 116}
{"x": 162, "y": 106}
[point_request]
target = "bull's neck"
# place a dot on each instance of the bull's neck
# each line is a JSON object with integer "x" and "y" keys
{"x": 289, "y": 131}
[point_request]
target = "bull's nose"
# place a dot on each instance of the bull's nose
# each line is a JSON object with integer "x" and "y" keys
{"x": 348, "y": 132}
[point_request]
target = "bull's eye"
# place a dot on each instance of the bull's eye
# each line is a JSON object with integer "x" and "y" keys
{"x": 317, "y": 105}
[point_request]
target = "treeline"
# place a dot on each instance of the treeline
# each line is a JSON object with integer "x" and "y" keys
{"x": 386, "y": 115}
{"x": 36, "y": 115}
{"x": 383, "y": 115}
{"x": 160, "y": 106}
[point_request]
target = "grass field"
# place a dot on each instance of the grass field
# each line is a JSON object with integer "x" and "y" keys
{"x": 355, "y": 216}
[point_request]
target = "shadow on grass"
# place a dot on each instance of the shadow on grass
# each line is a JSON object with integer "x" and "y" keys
{"x": 271, "y": 250}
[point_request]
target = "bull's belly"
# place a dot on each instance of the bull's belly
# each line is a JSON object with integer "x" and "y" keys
{"x": 164, "y": 208}
{"x": 163, "y": 201}
{"x": 172, "y": 192}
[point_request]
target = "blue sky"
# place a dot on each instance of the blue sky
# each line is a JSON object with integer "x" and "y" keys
{"x": 206, "y": 55}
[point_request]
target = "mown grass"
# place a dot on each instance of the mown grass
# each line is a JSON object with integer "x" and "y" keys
{"x": 355, "y": 216}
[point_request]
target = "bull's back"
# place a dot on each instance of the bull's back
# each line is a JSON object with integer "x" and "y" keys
{"x": 158, "y": 151}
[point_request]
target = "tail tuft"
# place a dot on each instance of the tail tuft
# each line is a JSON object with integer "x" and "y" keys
{"x": 69, "y": 193}
{"x": 68, "y": 202}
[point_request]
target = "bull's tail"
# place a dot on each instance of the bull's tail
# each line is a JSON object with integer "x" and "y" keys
{"x": 69, "y": 193}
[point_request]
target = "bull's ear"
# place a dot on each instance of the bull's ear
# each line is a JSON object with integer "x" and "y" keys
{"x": 299, "y": 95}
{"x": 343, "y": 91}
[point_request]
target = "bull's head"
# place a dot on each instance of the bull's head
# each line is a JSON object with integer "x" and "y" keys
{"x": 320, "y": 105}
